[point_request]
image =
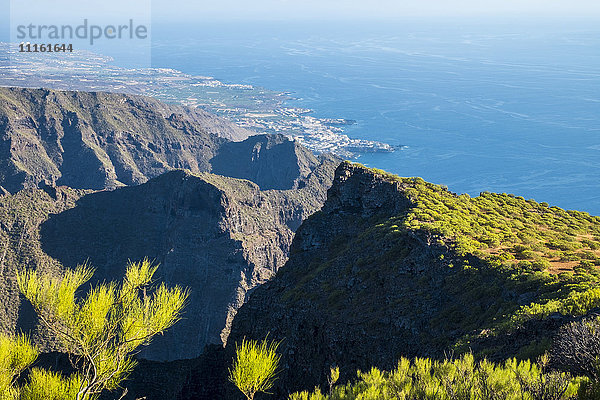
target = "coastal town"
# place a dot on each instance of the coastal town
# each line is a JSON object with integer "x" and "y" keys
{"x": 254, "y": 108}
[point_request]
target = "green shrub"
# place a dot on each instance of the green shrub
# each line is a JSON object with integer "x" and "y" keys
{"x": 461, "y": 378}
{"x": 254, "y": 367}
{"x": 42, "y": 384}
{"x": 100, "y": 330}
{"x": 540, "y": 265}
{"x": 16, "y": 355}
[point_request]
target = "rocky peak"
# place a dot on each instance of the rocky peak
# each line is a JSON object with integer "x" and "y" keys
{"x": 357, "y": 190}
{"x": 271, "y": 161}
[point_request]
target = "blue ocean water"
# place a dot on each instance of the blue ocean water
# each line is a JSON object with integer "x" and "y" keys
{"x": 503, "y": 106}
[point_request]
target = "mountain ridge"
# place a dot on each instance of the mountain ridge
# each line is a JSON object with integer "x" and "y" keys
{"x": 376, "y": 275}
{"x": 102, "y": 140}
{"x": 219, "y": 236}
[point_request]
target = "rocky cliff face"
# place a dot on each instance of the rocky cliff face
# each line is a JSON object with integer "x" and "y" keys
{"x": 20, "y": 217}
{"x": 101, "y": 140}
{"x": 366, "y": 282}
{"x": 219, "y": 236}
{"x": 270, "y": 161}
{"x": 329, "y": 304}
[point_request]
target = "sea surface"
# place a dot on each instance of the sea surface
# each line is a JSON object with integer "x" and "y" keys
{"x": 503, "y": 106}
{"x": 499, "y": 105}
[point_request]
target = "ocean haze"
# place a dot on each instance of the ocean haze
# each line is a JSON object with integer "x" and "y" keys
{"x": 196, "y": 11}
{"x": 500, "y": 104}
{"x": 374, "y": 9}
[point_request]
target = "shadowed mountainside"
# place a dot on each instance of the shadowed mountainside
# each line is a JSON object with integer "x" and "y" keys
{"x": 270, "y": 161}
{"x": 219, "y": 236}
{"x": 389, "y": 267}
{"x": 397, "y": 267}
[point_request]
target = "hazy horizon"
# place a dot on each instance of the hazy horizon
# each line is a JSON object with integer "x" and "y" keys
{"x": 188, "y": 10}
{"x": 375, "y": 9}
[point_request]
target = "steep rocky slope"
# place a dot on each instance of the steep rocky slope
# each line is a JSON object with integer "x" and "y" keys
{"x": 101, "y": 140}
{"x": 219, "y": 236}
{"x": 389, "y": 267}
{"x": 270, "y": 161}
{"x": 395, "y": 267}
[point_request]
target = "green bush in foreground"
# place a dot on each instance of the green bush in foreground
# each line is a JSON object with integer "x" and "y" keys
{"x": 254, "y": 367}
{"x": 461, "y": 378}
{"x": 49, "y": 385}
{"x": 100, "y": 330}
{"x": 16, "y": 355}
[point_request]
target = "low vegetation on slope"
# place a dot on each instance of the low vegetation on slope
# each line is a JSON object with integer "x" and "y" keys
{"x": 397, "y": 267}
{"x": 504, "y": 229}
{"x": 505, "y": 245}
{"x": 462, "y": 378}
{"x": 546, "y": 249}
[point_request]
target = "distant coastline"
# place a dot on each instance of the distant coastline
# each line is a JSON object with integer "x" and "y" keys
{"x": 251, "y": 107}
